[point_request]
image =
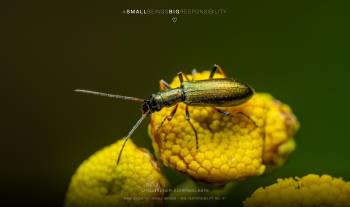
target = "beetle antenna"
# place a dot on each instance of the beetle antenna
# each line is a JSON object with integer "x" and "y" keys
{"x": 109, "y": 95}
{"x": 144, "y": 115}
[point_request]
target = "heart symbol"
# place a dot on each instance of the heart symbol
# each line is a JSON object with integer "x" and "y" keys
{"x": 174, "y": 19}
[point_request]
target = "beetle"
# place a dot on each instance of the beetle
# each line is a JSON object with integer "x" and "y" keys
{"x": 222, "y": 92}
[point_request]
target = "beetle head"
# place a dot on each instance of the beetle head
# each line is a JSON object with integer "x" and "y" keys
{"x": 154, "y": 103}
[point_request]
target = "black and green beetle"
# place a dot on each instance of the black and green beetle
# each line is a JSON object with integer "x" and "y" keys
{"x": 223, "y": 92}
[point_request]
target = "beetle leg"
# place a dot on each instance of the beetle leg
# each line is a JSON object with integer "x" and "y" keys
{"x": 164, "y": 85}
{"x": 169, "y": 117}
{"x": 222, "y": 111}
{"x": 194, "y": 72}
{"x": 216, "y": 68}
{"x": 247, "y": 117}
{"x": 194, "y": 130}
{"x": 181, "y": 77}
{"x": 186, "y": 77}
{"x": 240, "y": 113}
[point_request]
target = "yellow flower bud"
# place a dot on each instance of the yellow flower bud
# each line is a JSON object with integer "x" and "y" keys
{"x": 99, "y": 182}
{"x": 231, "y": 147}
{"x": 310, "y": 190}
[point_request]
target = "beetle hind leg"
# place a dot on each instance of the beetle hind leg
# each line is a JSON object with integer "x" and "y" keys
{"x": 194, "y": 129}
{"x": 226, "y": 113}
{"x": 216, "y": 68}
{"x": 247, "y": 117}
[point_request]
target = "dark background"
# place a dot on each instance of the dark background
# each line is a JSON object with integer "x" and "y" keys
{"x": 296, "y": 50}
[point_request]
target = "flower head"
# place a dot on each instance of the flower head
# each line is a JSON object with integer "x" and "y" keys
{"x": 231, "y": 147}
{"x": 100, "y": 182}
{"x": 279, "y": 125}
{"x": 310, "y": 190}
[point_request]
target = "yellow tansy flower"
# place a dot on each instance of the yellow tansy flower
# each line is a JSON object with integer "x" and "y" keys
{"x": 310, "y": 190}
{"x": 279, "y": 125}
{"x": 98, "y": 182}
{"x": 231, "y": 147}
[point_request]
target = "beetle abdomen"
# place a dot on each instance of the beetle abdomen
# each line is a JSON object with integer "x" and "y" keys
{"x": 216, "y": 92}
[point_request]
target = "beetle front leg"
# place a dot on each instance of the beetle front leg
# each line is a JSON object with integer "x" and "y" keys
{"x": 169, "y": 118}
{"x": 189, "y": 121}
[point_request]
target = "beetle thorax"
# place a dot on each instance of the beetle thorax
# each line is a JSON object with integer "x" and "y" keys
{"x": 162, "y": 99}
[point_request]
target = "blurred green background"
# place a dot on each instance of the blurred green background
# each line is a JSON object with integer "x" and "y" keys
{"x": 296, "y": 50}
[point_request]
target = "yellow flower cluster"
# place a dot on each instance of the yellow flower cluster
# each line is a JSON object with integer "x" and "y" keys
{"x": 232, "y": 147}
{"x": 311, "y": 190}
{"x": 98, "y": 182}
